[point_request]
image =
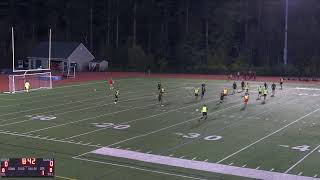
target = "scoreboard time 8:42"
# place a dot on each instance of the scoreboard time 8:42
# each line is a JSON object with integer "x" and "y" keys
{"x": 27, "y": 167}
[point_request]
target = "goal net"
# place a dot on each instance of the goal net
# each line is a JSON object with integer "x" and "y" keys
{"x": 37, "y": 81}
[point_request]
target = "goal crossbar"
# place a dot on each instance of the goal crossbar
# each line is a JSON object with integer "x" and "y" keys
{"x": 37, "y": 81}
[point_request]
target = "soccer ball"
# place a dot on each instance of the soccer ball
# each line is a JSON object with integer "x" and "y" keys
{"x": 94, "y": 89}
{"x": 197, "y": 110}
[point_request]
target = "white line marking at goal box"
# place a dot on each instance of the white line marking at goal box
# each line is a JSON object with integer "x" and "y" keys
{"x": 197, "y": 165}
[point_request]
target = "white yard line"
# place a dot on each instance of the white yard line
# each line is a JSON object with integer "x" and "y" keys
{"x": 140, "y": 97}
{"x": 75, "y": 110}
{"x": 53, "y": 140}
{"x": 265, "y": 137}
{"x": 297, "y": 163}
{"x": 139, "y": 119}
{"x": 194, "y": 165}
{"x": 168, "y": 127}
{"x": 85, "y": 119}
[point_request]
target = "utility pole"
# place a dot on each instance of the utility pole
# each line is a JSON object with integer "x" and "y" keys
{"x": 285, "y": 51}
{"x": 91, "y": 29}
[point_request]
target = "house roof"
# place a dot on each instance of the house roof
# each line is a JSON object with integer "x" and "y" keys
{"x": 58, "y": 49}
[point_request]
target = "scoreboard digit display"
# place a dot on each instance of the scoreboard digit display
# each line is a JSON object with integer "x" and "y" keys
{"x": 27, "y": 167}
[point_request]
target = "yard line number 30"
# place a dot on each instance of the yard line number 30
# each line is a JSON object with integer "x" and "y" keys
{"x": 198, "y": 135}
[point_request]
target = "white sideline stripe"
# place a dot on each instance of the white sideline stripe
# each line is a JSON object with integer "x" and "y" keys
{"x": 265, "y": 137}
{"x": 293, "y": 166}
{"x": 140, "y": 169}
{"x": 310, "y": 89}
{"x": 53, "y": 140}
{"x": 196, "y": 165}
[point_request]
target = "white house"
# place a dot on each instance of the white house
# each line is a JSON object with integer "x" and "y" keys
{"x": 98, "y": 65}
{"x": 64, "y": 56}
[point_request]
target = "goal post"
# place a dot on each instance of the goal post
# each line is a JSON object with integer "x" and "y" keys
{"x": 37, "y": 81}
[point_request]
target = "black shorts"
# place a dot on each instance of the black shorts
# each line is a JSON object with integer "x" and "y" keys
{"x": 264, "y": 95}
{"x": 260, "y": 92}
{"x": 281, "y": 83}
{"x": 196, "y": 95}
{"x": 204, "y": 113}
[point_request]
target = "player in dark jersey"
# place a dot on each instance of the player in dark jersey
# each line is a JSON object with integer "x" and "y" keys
{"x": 160, "y": 96}
{"x": 242, "y": 85}
{"x": 265, "y": 85}
{"x": 234, "y": 87}
{"x": 221, "y": 97}
{"x": 273, "y": 87}
{"x": 281, "y": 83}
{"x": 203, "y": 90}
{"x": 159, "y": 85}
{"x": 116, "y": 96}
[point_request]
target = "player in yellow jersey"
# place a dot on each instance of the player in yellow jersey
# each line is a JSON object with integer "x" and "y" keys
{"x": 27, "y": 86}
{"x": 196, "y": 93}
{"x": 204, "y": 111}
{"x": 225, "y": 92}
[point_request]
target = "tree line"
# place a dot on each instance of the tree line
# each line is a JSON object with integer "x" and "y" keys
{"x": 190, "y": 36}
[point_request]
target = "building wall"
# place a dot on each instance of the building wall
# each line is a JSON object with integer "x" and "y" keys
{"x": 103, "y": 66}
{"x": 82, "y": 56}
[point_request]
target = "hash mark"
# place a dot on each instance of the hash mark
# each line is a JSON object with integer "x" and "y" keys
{"x": 194, "y": 158}
{"x": 128, "y": 148}
{"x": 300, "y": 174}
{"x": 315, "y": 176}
{"x": 271, "y": 169}
{"x": 181, "y": 157}
{"x": 230, "y": 164}
{"x": 284, "y": 146}
{"x": 171, "y": 155}
{"x": 149, "y": 152}
{"x": 206, "y": 160}
{"x": 138, "y": 150}
{"x": 258, "y": 167}
{"x": 118, "y": 147}
{"x": 244, "y": 165}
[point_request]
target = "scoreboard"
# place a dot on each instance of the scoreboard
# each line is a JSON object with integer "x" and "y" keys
{"x": 27, "y": 167}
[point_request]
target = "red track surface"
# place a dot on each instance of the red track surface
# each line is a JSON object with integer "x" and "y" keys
{"x": 95, "y": 76}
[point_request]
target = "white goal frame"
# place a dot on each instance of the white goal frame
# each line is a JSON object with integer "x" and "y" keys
{"x": 16, "y": 81}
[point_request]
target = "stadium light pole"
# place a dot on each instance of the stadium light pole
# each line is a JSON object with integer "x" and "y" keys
{"x": 12, "y": 43}
{"x": 285, "y": 51}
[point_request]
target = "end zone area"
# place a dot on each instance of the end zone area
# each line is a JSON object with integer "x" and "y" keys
{"x": 92, "y": 138}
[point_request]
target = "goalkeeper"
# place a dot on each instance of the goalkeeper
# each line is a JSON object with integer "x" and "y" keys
{"x": 27, "y": 86}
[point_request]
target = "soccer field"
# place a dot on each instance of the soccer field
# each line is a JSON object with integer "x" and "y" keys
{"x": 91, "y": 138}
